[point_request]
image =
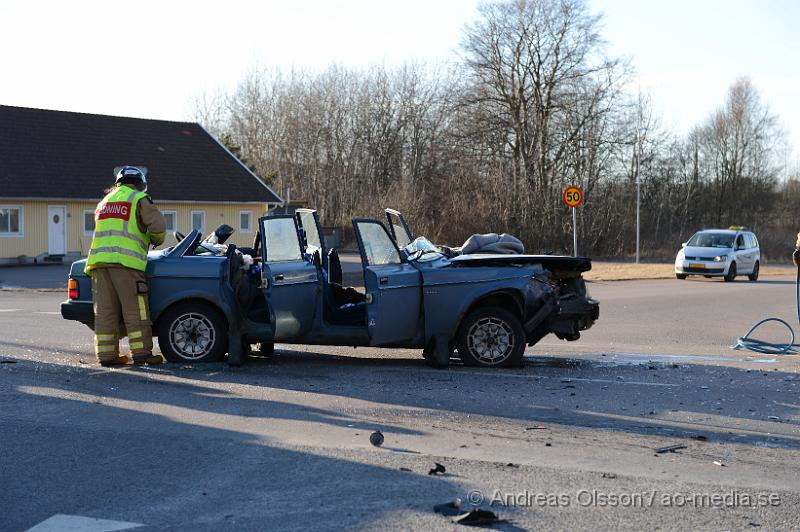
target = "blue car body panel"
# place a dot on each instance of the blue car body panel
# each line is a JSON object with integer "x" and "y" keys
{"x": 407, "y": 303}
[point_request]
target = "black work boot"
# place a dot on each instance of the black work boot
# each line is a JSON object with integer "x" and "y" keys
{"x": 119, "y": 361}
{"x": 150, "y": 359}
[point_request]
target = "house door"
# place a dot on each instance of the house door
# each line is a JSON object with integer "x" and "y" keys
{"x": 56, "y": 230}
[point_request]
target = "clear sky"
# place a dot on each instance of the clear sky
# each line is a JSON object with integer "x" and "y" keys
{"x": 149, "y": 58}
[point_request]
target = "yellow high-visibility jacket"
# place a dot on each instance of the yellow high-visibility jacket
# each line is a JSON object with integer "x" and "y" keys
{"x": 117, "y": 238}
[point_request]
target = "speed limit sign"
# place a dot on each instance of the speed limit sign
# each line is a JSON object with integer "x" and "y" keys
{"x": 572, "y": 196}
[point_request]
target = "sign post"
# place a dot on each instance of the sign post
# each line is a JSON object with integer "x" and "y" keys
{"x": 573, "y": 198}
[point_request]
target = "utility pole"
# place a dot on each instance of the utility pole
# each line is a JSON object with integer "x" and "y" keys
{"x": 638, "y": 187}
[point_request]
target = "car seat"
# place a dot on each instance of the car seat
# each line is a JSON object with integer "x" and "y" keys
{"x": 343, "y": 305}
{"x": 334, "y": 267}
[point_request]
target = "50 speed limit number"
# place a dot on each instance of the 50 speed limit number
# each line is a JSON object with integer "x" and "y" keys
{"x": 572, "y": 196}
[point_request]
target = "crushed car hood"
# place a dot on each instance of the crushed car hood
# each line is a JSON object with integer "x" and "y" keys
{"x": 551, "y": 262}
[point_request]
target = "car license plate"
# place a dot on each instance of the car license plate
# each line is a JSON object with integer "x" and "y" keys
{"x": 697, "y": 265}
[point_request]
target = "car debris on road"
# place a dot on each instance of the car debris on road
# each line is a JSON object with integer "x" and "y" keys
{"x": 438, "y": 469}
{"x": 670, "y": 449}
{"x": 376, "y": 438}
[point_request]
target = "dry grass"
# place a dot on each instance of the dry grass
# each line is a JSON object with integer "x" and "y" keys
{"x": 624, "y": 271}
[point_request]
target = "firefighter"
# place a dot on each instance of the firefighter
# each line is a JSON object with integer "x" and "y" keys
{"x": 126, "y": 223}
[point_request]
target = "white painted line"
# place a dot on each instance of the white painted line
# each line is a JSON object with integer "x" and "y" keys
{"x": 77, "y": 523}
{"x": 49, "y": 312}
{"x": 10, "y": 309}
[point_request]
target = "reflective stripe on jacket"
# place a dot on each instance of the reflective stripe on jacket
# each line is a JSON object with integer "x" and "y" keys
{"x": 117, "y": 238}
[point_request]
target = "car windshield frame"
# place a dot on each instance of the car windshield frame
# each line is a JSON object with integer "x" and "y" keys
{"x": 712, "y": 239}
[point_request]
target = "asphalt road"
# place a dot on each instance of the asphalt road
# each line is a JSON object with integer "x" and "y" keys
{"x": 567, "y": 442}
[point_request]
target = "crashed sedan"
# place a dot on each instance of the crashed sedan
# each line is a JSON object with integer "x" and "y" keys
{"x": 208, "y": 300}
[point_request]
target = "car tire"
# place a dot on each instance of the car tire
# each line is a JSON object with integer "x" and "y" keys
{"x": 205, "y": 326}
{"x": 731, "y": 275}
{"x": 491, "y": 337}
{"x": 681, "y": 276}
{"x": 754, "y": 276}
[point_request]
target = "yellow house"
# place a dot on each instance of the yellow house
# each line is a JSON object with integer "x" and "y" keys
{"x": 55, "y": 166}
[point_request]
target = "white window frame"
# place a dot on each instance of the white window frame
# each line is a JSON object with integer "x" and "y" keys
{"x": 191, "y": 221}
{"x": 21, "y": 232}
{"x": 249, "y": 229}
{"x": 175, "y": 216}
{"x": 87, "y": 232}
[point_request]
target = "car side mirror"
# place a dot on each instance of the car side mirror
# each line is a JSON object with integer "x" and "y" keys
{"x": 684, "y": 244}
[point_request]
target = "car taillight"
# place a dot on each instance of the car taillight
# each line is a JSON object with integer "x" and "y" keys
{"x": 72, "y": 286}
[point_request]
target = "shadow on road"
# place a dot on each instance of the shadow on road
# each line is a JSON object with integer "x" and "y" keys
{"x": 195, "y": 467}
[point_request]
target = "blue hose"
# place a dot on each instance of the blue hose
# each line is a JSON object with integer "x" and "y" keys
{"x": 769, "y": 348}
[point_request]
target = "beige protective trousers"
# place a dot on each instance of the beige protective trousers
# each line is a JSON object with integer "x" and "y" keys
{"x": 120, "y": 305}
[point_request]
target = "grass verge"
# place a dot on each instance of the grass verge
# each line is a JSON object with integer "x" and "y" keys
{"x": 625, "y": 271}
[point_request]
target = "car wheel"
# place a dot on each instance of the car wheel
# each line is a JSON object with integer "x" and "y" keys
{"x": 754, "y": 276}
{"x": 491, "y": 337}
{"x": 731, "y": 276}
{"x": 681, "y": 276}
{"x": 193, "y": 332}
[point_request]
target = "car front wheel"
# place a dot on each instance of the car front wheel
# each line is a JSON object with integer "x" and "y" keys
{"x": 193, "y": 332}
{"x": 491, "y": 337}
{"x": 680, "y": 276}
{"x": 731, "y": 276}
{"x": 754, "y": 276}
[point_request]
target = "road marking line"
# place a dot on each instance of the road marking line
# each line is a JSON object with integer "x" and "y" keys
{"x": 77, "y": 523}
{"x": 49, "y": 312}
{"x": 10, "y": 309}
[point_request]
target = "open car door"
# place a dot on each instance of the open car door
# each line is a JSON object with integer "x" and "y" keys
{"x": 290, "y": 283}
{"x": 311, "y": 233}
{"x": 399, "y": 228}
{"x": 394, "y": 287}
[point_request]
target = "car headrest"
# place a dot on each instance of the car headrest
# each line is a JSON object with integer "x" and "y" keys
{"x": 234, "y": 261}
{"x": 334, "y": 267}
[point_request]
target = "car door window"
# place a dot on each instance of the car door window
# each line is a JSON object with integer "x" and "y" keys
{"x": 740, "y": 242}
{"x": 754, "y": 240}
{"x": 309, "y": 224}
{"x": 378, "y": 246}
{"x": 280, "y": 239}
{"x": 399, "y": 229}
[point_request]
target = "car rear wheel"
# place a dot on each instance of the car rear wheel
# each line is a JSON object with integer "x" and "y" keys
{"x": 681, "y": 276}
{"x": 491, "y": 337}
{"x": 731, "y": 276}
{"x": 754, "y": 276}
{"x": 193, "y": 332}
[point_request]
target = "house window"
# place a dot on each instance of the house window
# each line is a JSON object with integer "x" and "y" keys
{"x": 11, "y": 220}
{"x": 171, "y": 217}
{"x": 88, "y": 222}
{"x": 246, "y": 221}
{"x": 199, "y": 220}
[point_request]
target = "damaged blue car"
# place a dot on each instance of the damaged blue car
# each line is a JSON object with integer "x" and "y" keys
{"x": 208, "y": 300}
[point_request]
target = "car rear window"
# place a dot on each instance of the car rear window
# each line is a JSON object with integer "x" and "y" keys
{"x": 711, "y": 240}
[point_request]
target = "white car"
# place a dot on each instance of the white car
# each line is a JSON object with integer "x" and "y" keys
{"x": 719, "y": 253}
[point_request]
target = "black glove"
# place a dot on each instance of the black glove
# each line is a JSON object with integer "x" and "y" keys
{"x": 796, "y": 257}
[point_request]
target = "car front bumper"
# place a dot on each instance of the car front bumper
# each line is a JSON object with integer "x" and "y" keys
{"x": 701, "y": 267}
